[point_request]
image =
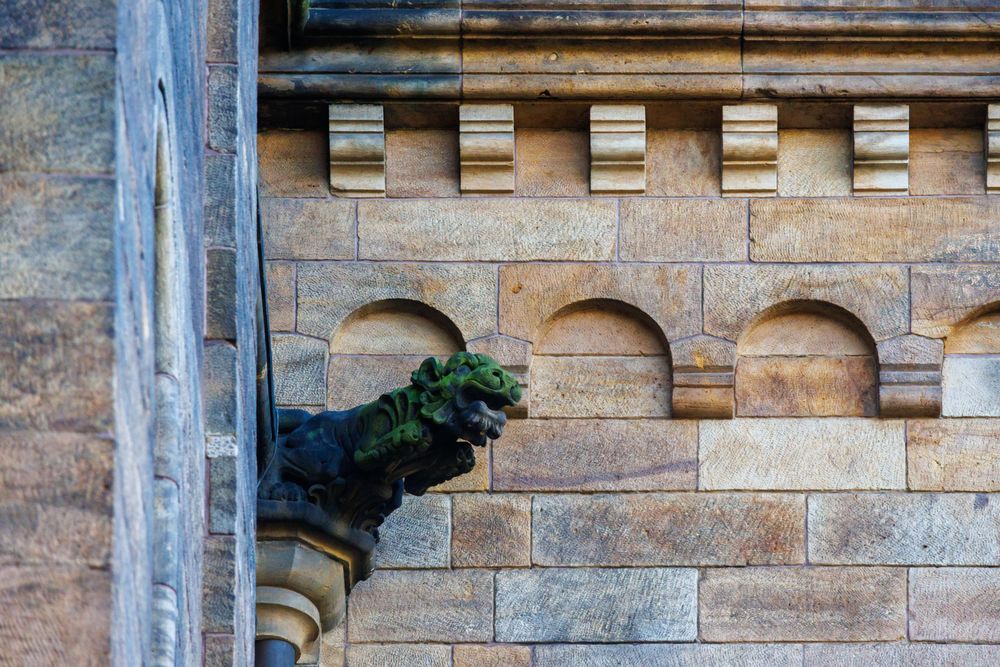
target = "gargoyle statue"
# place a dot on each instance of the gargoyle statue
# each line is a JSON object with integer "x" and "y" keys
{"x": 354, "y": 465}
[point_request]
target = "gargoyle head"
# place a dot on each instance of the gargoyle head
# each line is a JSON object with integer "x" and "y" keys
{"x": 466, "y": 396}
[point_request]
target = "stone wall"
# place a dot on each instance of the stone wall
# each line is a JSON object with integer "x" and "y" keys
{"x": 730, "y": 450}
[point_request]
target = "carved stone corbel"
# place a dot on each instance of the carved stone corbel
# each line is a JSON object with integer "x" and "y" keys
{"x": 357, "y": 150}
{"x": 617, "y": 149}
{"x": 993, "y": 149}
{"x": 881, "y": 149}
{"x": 750, "y": 150}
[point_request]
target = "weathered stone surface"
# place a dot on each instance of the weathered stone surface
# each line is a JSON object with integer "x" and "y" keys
{"x": 943, "y": 296}
{"x": 907, "y": 529}
{"x": 683, "y": 163}
{"x": 486, "y": 148}
{"x": 281, "y": 296}
{"x": 684, "y": 230}
{"x": 219, "y": 603}
{"x": 953, "y": 455}
{"x": 947, "y": 162}
{"x": 219, "y": 381}
{"x": 814, "y": 163}
{"x": 293, "y": 163}
{"x": 813, "y": 386}
{"x": 970, "y": 386}
{"x": 803, "y": 604}
{"x": 57, "y": 24}
{"x": 900, "y": 655}
{"x": 910, "y": 230}
{"x": 600, "y": 387}
{"x": 801, "y": 333}
{"x": 749, "y": 150}
{"x": 56, "y": 237}
{"x": 418, "y": 534}
{"x": 397, "y": 328}
{"x": 668, "y": 655}
{"x": 980, "y": 335}
{"x": 601, "y": 330}
{"x": 491, "y": 530}
{"x": 511, "y": 353}
{"x": 219, "y": 650}
{"x": 58, "y": 111}
{"x": 735, "y": 295}
{"x": 494, "y": 655}
{"x": 415, "y": 606}
{"x": 55, "y": 498}
{"x": 477, "y": 479}
{"x": 881, "y": 149}
{"x": 668, "y": 529}
{"x": 328, "y": 293}
{"x": 617, "y": 149}
{"x": 357, "y": 150}
{"x": 299, "y": 370}
{"x": 222, "y": 494}
{"x": 55, "y": 615}
{"x": 398, "y": 655}
{"x": 222, "y": 107}
{"x": 421, "y": 163}
{"x": 56, "y": 365}
{"x": 487, "y": 230}
{"x": 220, "y": 200}
{"x": 308, "y": 228}
{"x": 353, "y": 380}
{"x": 222, "y": 36}
{"x": 595, "y": 605}
{"x": 955, "y": 604}
{"x": 531, "y": 294}
{"x": 802, "y": 454}
{"x": 220, "y": 294}
{"x": 551, "y": 163}
{"x": 586, "y": 455}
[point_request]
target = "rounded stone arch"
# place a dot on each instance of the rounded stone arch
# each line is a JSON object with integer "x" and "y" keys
{"x": 971, "y": 372}
{"x": 600, "y": 358}
{"x": 806, "y": 358}
{"x": 378, "y": 345}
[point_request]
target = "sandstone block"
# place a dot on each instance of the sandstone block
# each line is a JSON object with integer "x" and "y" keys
{"x": 611, "y": 387}
{"x": 281, "y": 295}
{"x": 219, "y": 603}
{"x": 947, "y": 162}
{"x": 418, "y": 534}
{"x": 495, "y": 655}
{"x": 421, "y": 163}
{"x": 293, "y": 163}
{"x": 352, "y": 380}
{"x": 511, "y": 353}
{"x": 220, "y": 200}
{"x": 978, "y": 335}
{"x": 683, "y": 163}
{"x": 955, "y": 604}
{"x": 357, "y": 150}
{"x": 531, "y": 294}
{"x": 398, "y": 655}
{"x": 802, "y": 454}
{"x": 486, "y": 146}
{"x": 900, "y": 655}
{"x": 395, "y": 328}
{"x": 329, "y": 292}
{"x": 910, "y": 376}
{"x": 601, "y": 329}
{"x": 993, "y": 149}
{"x": 220, "y": 294}
{"x": 939, "y": 229}
{"x": 222, "y": 493}
{"x": 814, "y": 163}
{"x": 223, "y": 31}
{"x": 654, "y": 655}
{"x": 683, "y": 230}
{"x": 417, "y": 606}
{"x": 552, "y": 163}
{"x": 703, "y": 378}
{"x": 56, "y": 366}
{"x": 943, "y": 296}
{"x": 970, "y": 386}
{"x": 907, "y": 529}
{"x": 749, "y": 150}
{"x": 223, "y": 107}
{"x": 617, "y": 149}
{"x": 299, "y": 370}
{"x": 668, "y": 529}
{"x": 491, "y": 530}
{"x": 56, "y": 237}
{"x": 881, "y": 149}
{"x": 477, "y": 479}
{"x": 308, "y": 228}
{"x": 219, "y": 381}
{"x": 953, "y": 455}
{"x": 803, "y": 604}
{"x": 736, "y": 295}
{"x": 510, "y": 230}
{"x": 596, "y": 605}
{"x": 220, "y": 650}
{"x": 811, "y": 386}
{"x": 586, "y": 455}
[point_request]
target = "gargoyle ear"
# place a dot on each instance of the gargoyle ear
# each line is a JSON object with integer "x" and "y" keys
{"x": 429, "y": 374}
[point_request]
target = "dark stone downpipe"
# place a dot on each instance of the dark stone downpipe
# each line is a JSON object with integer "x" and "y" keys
{"x": 274, "y": 653}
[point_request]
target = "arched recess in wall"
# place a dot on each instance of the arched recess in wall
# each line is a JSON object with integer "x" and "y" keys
{"x": 380, "y": 344}
{"x": 972, "y": 366}
{"x": 806, "y": 359}
{"x": 600, "y": 358}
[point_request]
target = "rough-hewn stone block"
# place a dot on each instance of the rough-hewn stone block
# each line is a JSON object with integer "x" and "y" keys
{"x": 220, "y": 294}
{"x": 953, "y": 455}
{"x": 909, "y": 230}
{"x": 943, "y": 296}
{"x": 971, "y": 386}
{"x": 219, "y": 382}
{"x": 530, "y": 294}
{"x": 223, "y": 107}
{"x": 308, "y": 228}
{"x": 947, "y": 162}
{"x": 735, "y": 295}
{"x": 496, "y": 655}
{"x": 56, "y": 366}
{"x": 551, "y": 163}
{"x": 683, "y": 163}
{"x": 491, "y": 530}
{"x": 814, "y": 163}
{"x": 668, "y": 529}
{"x": 56, "y": 237}
{"x": 299, "y": 370}
{"x": 904, "y": 529}
{"x": 219, "y": 603}
{"x": 421, "y": 163}
{"x": 222, "y": 494}
{"x": 398, "y": 655}
{"x": 803, "y": 604}
{"x": 668, "y": 655}
{"x": 955, "y": 604}
{"x": 487, "y": 230}
{"x": 600, "y": 387}
{"x": 220, "y": 201}
{"x": 993, "y": 149}
{"x": 418, "y": 534}
{"x": 596, "y": 605}
{"x": 329, "y": 292}
{"x": 900, "y": 655}
{"x": 683, "y": 230}
{"x": 802, "y": 454}
{"x": 281, "y": 295}
{"x": 586, "y": 455}
{"x": 293, "y": 163}
{"x": 416, "y": 606}
{"x": 813, "y": 386}
{"x": 353, "y": 380}
{"x": 219, "y": 650}
{"x": 477, "y": 479}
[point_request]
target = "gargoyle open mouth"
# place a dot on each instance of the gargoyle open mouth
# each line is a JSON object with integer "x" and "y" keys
{"x": 477, "y": 422}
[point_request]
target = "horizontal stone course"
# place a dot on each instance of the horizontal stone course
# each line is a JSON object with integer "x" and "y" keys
{"x": 904, "y": 529}
{"x": 417, "y": 535}
{"x": 802, "y": 604}
{"x": 494, "y": 655}
{"x": 955, "y": 604}
{"x": 308, "y": 229}
{"x": 969, "y": 386}
{"x": 668, "y": 655}
{"x": 900, "y": 655}
{"x": 683, "y": 230}
{"x": 668, "y": 529}
{"x": 491, "y": 530}
{"x": 401, "y": 655}
{"x": 953, "y": 454}
{"x": 299, "y": 369}
{"x": 596, "y": 605}
{"x": 806, "y": 386}
{"x": 600, "y": 387}
{"x": 487, "y": 230}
